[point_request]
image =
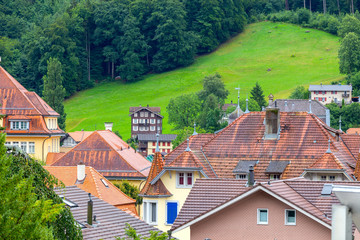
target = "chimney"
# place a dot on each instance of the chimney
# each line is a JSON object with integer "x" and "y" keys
{"x": 271, "y": 99}
{"x": 251, "y": 180}
{"x": 272, "y": 123}
{"x": 310, "y": 106}
{"x": 90, "y": 211}
{"x": 286, "y": 106}
{"x": 81, "y": 171}
{"x": 108, "y": 126}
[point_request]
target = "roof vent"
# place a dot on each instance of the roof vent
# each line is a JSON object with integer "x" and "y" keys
{"x": 188, "y": 146}
{"x": 195, "y": 133}
{"x": 247, "y": 105}
{"x": 329, "y": 151}
{"x": 340, "y": 123}
{"x": 327, "y": 189}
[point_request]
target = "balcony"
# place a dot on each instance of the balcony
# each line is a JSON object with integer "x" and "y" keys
{"x": 345, "y": 95}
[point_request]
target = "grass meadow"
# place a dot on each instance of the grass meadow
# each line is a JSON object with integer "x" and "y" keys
{"x": 279, "y": 56}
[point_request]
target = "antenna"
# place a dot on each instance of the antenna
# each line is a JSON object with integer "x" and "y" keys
{"x": 238, "y": 106}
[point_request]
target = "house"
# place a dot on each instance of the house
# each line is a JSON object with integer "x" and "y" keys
{"x": 353, "y": 131}
{"x": 303, "y": 105}
{"x": 108, "y": 154}
{"x": 147, "y": 143}
{"x": 145, "y": 120}
{"x": 71, "y": 139}
{"x": 236, "y": 209}
{"x": 331, "y": 93}
{"x": 104, "y": 221}
{"x": 91, "y": 181}
{"x": 29, "y": 122}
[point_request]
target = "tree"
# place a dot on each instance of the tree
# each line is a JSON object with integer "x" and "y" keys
{"x": 349, "y": 24}
{"x": 130, "y": 190}
{"x": 258, "y": 95}
{"x": 299, "y": 93}
{"x": 354, "y": 80}
{"x": 184, "y": 134}
{"x": 183, "y": 110}
{"x": 213, "y": 84}
{"x": 349, "y": 54}
{"x": 211, "y": 114}
{"x": 131, "y": 233}
{"x": 54, "y": 92}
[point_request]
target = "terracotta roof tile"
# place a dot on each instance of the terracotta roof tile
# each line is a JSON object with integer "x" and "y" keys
{"x": 109, "y": 155}
{"x": 327, "y": 161}
{"x": 157, "y": 189}
{"x": 78, "y": 136}
{"x": 353, "y": 131}
{"x": 53, "y": 157}
{"x": 94, "y": 185}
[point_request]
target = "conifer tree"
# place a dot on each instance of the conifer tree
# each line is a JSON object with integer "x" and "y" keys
{"x": 258, "y": 95}
{"x": 54, "y": 92}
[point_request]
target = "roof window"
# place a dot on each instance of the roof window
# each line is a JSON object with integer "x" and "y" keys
{"x": 104, "y": 182}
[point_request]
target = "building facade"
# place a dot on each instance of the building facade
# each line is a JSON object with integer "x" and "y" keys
{"x": 29, "y": 122}
{"x": 145, "y": 120}
{"x": 147, "y": 143}
{"x": 331, "y": 93}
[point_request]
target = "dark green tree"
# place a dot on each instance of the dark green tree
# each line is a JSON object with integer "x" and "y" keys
{"x": 349, "y": 54}
{"x": 354, "y": 80}
{"x": 213, "y": 84}
{"x": 183, "y": 110}
{"x": 258, "y": 95}
{"x": 300, "y": 93}
{"x": 54, "y": 91}
{"x": 349, "y": 24}
{"x": 211, "y": 114}
{"x": 185, "y": 133}
{"x": 131, "y": 233}
{"x": 130, "y": 190}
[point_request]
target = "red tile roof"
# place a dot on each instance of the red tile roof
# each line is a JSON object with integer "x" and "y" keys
{"x": 186, "y": 160}
{"x": 158, "y": 188}
{"x": 209, "y": 194}
{"x": 353, "y": 131}
{"x": 94, "y": 185}
{"x": 78, "y": 136}
{"x": 109, "y": 155}
{"x": 327, "y": 161}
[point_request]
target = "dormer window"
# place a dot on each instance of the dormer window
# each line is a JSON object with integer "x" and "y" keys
{"x": 19, "y": 125}
{"x": 184, "y": 179}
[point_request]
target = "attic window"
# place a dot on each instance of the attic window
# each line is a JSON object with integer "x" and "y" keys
{"x": 104, "y": 182}
{"x": 68, "y": 202}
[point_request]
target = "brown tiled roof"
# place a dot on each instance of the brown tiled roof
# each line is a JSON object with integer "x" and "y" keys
{"x": 327, "y": 161}
{"x": 353, "y": 131}
{"x": 352, "y": 142}
{"x": 186, "y": 160}
{"x": 155, "y": 110}
{"x": 110, "y": 220}
{"x": 78, "y": 136}
{"x": 209, "y": 194}
{"x": 303, "y": 140}
{"x": 158, "y": 188}
{"x": 94, "y": 185}
{"x": 53, "y": 157}
{"x": 109, "y": 155}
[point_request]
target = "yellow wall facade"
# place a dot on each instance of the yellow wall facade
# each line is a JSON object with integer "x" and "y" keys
{"x": 50, "y": 145}
{"x": 152, "y": 147}
{"x": 51, "y": 123}
{"x": 179, "y": 195}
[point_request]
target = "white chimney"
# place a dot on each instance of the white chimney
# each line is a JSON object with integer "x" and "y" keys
{"x": 80, "y": 171}
{"x": 108, "y": 126}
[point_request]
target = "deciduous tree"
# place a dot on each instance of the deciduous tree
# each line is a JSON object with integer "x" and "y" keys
{"x": 349, "y": 54}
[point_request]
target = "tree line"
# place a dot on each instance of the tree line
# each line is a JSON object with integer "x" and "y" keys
{"x": 122, "y": 39}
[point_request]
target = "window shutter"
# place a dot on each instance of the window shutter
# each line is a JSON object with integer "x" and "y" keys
{"x": 171, "y": 212}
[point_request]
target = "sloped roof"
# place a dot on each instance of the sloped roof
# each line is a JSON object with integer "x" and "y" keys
{"x": 78, "y": 136}
{"x": 300, "y": 105}
{"x": 327, "y": 161}
{"x": 243, "y": 166}
{"x": 330, "y": 87}
{"x": 92, "y": 184}
{"x": 155, "y": 110}
{"x": 304, "y": 194}
{"x": 110, "y": 220}
{"x": 157, "y": 189}
{"x": 152, "y": 137}
{"x": 352, "y": 142}
{"x": 109, "y": 155}
{"x": 277, "y": 166}
{"x": 53, "y": 157}
{"x": 186, "y": 160}
{"x": 353, "y": 131}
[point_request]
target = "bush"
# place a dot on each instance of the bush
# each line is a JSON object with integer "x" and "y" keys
{"x": 333, "y": 25}
{"x": 303, "y": 16}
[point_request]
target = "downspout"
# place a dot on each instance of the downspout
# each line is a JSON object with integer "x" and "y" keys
{"x": 43, "y": 147}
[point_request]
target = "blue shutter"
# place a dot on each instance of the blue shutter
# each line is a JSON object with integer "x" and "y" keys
{"x": 171, "y": 212}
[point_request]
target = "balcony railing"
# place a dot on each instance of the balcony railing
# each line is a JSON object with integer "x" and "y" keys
{"x": 345, "y": 95}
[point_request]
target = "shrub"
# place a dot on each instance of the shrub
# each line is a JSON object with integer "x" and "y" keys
{"x": 303, "y": 16}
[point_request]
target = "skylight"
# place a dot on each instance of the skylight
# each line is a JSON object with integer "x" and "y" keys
{"x": 68, "y": 202}
{"x": 104, "y": 182}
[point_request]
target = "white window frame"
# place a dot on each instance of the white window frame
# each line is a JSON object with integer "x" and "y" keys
{"x": 146, "y": 114}
{"x": 185, "y": 185}
{"x": 272, "y": 176}
{"x": 141, "y": 114}
{"x": 31, "y": 147}
{"x": 331, "y": 177}
{"x": 135, "y": 128}
{"x": 286, "y": 217}
{"x": 152, "y": 115}
{"x": 158, "y": 121}
{"x": 243, "y": 176}
{"x": 24, "y": 144}
{"x": 258, "y": 216}
{"x": 152, "y": 128}
{"x": 152, "y": 121}
{"x": 147, "y": 212}
{"x": 135, "y": 120}
{"x": 18, "y": 125}
{"x": 135, "y": 114}
{"x": 178, "y": 209}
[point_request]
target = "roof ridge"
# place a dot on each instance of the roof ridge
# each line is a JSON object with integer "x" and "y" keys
{"x": 95, "y": 182}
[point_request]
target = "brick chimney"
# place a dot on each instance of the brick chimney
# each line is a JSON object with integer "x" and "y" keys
{"x": 108, "y": 126}
{"x": 80, "y": 171}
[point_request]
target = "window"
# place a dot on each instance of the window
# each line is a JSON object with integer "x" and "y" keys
{"x": 31, "y": 147}
{"x": 152, "y": 128}
{"x": 146, "y": 114}
{"x": 184, "y": 180}
{"x": 152, "y": 121}
{"x": 19, "y": 125}
{"x": 332, "y": 178}
{"x": 150, "y": 212}
{"x": 135, "y": 114}
{"x": 324, "y": 92}
{"x": 15, "y": 144}
{"x": 171, "y": 212}
{"x": 241, "y": 176}
{"x": 68, "y": 202}
{"x": 104, "y": 182}
{"x": 135, "y": 120}
{"x": 154, "y": 144}
{"x": 168, "y": 144}
{"x": 159, "y": 128}
{"x": 168, "y": 151}
{"x": 274, "y": 176}
{"x": 152, "y": 115}
{"x": 262, "y": 216}
{"x": 159, "y": 121}
{"x": 23, "y": 146}
{"x": 163, "y": 143}
{"x": 323, "y": 178}
{"x": 135, "y": 128}
{"x": 153, "y": 151}
{"x": 141, "y": 114}
{"x": 290, "y": 217}
{"x": 316, "y": 92}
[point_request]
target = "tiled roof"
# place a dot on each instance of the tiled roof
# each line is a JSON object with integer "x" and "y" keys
{"x": 155, "y": 110}
{"x": 352, "y": 142}
{"x": 300, "y": 105}
{"x": 78, "y": 136}
{"x": 53, "y": 157}
{"x": 209, "y": 194}
{"x": 109, "y": 155}
{"x": 330, "y": 88}
{"x": 93, "y": 184}
{"x": 277, "y": 166}
{"x": 152, "y": 137}
{"x": 353, "y": 131}
{"x": 327, "y": 161}
{"x": 243, "y": 166}
{"x": 110, "y": 221}
{"x": 186, "y": 160}
{"x": 158, "y": 188}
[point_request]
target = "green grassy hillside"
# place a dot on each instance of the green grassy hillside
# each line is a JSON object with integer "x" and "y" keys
{"x": 295, "y": 57}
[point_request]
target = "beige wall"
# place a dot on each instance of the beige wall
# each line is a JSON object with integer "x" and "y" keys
{"x": 331, "y": 97}
{"x": 162, "y": 148}
{"x": 51, "y": 122}
{"x": 50, "y": 145}
{"x": 317, "y": 176}
{"x": 239, "y": 221}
